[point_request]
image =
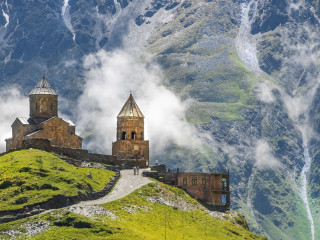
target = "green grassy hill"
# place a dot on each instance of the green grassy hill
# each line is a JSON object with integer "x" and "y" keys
{"x": 33, "y": 176}
{"x": 154, "y": 211}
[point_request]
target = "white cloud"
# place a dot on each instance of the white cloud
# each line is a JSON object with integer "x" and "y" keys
{"x": 109, "y": 79}
{"x": 265, "y": 92}
{"x": 263, "y": 155}
{"x": 13, "y": 104}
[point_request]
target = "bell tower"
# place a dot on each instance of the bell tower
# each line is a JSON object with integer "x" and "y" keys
{"x": 130, "y": 144}
{"x": 43, "y": 101}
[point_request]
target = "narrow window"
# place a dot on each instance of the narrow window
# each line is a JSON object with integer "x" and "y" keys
{"x": 194, "y": 181}
{"x": 184, "y": 181}
{"x": 224, "y": 184}
{"x": 37, "y": 106}
{"x": 133, "y": 135}
{"x": 223, "y": 198}
{"x": 204, "y": 181}
{"x": 51, "y": 106}
{"x": 43, "y": 106}
{"x": 141, "y": 137}
{"x": 123, "y": 135}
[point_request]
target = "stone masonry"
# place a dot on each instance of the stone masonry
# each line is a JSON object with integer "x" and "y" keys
{"x": 43, "y": 121}
{"x": 130, "y": 144}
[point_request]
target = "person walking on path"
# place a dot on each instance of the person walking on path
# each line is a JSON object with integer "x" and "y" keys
{"x": 25, "y": 211}
{"x": 137, "y": 170}
{"x": 134, "y": 170}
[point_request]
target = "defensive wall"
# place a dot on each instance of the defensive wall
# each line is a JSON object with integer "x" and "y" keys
{"x": 79, "y": 154}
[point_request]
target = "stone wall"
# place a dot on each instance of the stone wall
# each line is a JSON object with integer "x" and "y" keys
{"x": 57, "y": 130}
{"x": 43, "y": 105}
{"x": 79, "y": 154}
{"x": 159, "y": 168}
{"x": 129, "y": 125}
{"x": 131, "y": 149}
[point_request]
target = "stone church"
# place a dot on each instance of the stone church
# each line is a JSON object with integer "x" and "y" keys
{"x": 45, "y": 130}
{"x": 44, "y": 122}
{"x": 130, "y": 144}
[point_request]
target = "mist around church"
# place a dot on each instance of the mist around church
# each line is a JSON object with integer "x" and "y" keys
{"x": 159, "y": 119}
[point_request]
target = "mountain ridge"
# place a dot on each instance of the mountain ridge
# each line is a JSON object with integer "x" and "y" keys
{"x": 254, "y": 106}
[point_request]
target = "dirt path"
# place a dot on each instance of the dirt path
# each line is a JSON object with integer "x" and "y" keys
{"x": 125, "y": 185}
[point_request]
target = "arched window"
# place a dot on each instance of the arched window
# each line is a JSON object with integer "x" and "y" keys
{"x": 141, "y": 136}
{"x": 43, "y": 106}
{"x": 184, "y": 181}
{"x": 194, "y": 181}
{"x": 133, "y": 135}
{"x": 123, "y": 135}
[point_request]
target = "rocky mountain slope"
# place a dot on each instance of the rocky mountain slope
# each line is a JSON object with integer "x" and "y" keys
{"x": 247, "y": 69}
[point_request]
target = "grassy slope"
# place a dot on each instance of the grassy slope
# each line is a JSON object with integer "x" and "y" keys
{"x": 138, "y": 218}
{"x": 283, "y": 212}
{"x": 34, "y": 176}
{"x": 314, "y": 191}
{"x": 315, "y": 211}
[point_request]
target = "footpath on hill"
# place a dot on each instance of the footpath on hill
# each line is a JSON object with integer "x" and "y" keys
{"x": 127, "y": 183}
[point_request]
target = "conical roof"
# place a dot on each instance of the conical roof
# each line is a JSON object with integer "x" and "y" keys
{"x": 130, "y": 109}
{"x": 43, "y": 87}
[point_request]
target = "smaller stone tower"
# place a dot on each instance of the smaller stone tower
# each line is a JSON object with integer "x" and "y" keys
{"x": 43, "y": 101}
{"x": 130, "y": 144}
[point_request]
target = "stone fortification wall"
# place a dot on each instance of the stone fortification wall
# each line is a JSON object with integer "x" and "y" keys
{"x": 80, "y": 154}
